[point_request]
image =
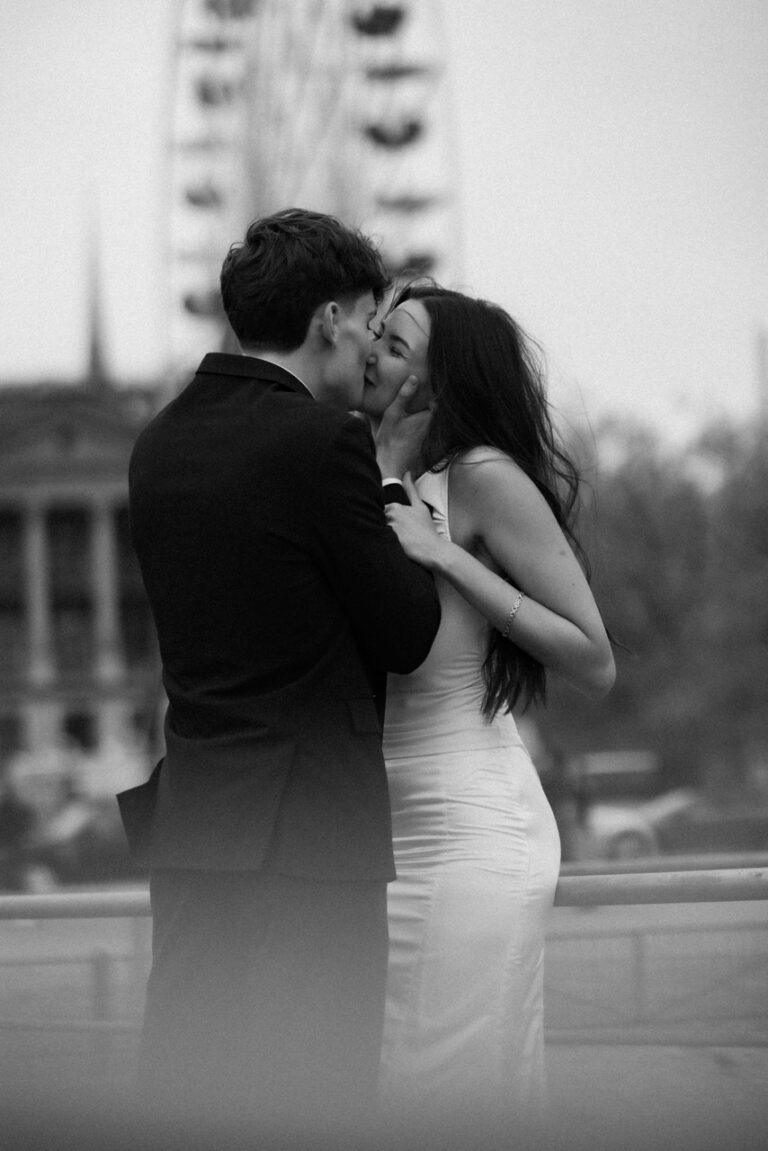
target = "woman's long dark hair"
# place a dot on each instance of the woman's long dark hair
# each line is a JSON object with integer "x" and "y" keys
{"x": 488, "y": 384}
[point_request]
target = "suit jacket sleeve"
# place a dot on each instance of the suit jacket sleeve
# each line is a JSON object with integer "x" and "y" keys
{"x": 394, "y": 493}
{"x": 392, "y": 602}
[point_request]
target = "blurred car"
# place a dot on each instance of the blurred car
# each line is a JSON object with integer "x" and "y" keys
{"x": 83, "y": 842}
{"x": 59, "y": 820}
{"x": 682, "y": 821}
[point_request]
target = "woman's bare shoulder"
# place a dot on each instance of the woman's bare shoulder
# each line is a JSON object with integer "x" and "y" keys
{"x": 482, "y": 472}
{"x": 490, "y": 496}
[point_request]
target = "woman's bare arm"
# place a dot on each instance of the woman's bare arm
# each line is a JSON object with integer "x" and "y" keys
{"x": 506, "y": 540}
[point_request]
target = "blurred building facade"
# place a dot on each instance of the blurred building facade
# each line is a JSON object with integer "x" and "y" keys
{"x": 78, "y": 659}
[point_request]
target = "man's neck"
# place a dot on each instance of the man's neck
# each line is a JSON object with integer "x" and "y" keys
{"x": 295, "y": 362}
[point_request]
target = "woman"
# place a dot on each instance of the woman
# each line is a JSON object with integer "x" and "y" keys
{"x": 476, "y": 844}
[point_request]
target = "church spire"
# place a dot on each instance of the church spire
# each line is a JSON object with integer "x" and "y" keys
{"x": 97, "y": 375}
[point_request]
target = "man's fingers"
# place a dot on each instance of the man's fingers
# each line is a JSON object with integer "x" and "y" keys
{"x": 407, "y": 389}
{"x": 410, "y": 487}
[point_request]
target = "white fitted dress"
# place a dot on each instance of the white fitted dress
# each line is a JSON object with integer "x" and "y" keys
{"x": 477, "y": 854}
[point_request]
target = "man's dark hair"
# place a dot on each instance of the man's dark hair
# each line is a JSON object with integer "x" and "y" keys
{"x": 289, "y": 264}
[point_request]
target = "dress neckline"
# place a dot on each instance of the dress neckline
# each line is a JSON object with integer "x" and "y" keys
{"x": 437, "y": 482}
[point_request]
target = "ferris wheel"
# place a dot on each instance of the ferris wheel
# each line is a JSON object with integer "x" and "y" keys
{"x": 334, "y": 105}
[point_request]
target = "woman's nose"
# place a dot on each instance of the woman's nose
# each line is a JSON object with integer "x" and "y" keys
{"x": 371, "y": 358}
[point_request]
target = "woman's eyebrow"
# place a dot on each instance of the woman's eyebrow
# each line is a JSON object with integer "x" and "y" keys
{"x": 393, "y": 335}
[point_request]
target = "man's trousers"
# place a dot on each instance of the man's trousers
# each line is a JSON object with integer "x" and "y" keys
{"x": 265, "y": 1001}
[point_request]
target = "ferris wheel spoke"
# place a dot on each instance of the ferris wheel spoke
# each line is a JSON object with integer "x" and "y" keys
{"x": 336, "y": 105}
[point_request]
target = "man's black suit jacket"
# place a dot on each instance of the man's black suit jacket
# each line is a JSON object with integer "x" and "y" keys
{"x": 281, "y": 598}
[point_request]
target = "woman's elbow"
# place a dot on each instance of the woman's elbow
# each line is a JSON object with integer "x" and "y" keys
{"x": 601, "y": 677}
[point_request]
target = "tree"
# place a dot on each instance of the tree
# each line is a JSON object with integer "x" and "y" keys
{"x": 679, "y": 547}
{"x": 735, "y": 630}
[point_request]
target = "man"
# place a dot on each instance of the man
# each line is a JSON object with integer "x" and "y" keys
{"x": 281, "y": 598}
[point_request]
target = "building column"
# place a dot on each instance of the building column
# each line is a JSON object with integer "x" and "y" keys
{"x": 109, "y": 662}
{"x": 40, "y": 666}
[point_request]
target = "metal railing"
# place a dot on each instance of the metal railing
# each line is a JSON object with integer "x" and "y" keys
{"x": 616, "y": 887}
{"x": 609, "y": 888}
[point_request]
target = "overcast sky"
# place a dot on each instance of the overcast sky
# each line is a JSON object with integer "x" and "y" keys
{"x": 611, "y": 156}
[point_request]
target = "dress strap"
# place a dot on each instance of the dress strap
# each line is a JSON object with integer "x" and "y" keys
{"x": 433, "y": 489}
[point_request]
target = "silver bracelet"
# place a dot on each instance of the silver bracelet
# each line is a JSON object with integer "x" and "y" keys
{"x": 512, "y": 614}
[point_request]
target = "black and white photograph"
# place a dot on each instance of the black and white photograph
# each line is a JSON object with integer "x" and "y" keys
{"x": 384, "y": 575}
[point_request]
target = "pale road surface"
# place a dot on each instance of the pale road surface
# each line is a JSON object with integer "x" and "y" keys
{"x": 625, "y": 1096}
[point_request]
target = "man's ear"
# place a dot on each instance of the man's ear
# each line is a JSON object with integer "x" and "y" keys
{"x": 328, "y": 315}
